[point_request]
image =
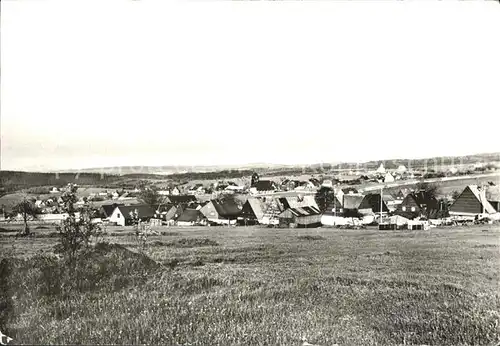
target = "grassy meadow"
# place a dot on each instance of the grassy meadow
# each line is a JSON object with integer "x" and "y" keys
{"x": 256, "y": 286}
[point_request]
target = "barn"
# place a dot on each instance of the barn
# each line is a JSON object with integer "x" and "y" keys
{"x": 221, "y": 212}
{"x": 191, "y": 217}
{"x": 471, "y": 202}
{"x": 252, "y": 211}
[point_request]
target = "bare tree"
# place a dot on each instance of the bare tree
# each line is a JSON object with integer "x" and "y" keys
{"x": 27, "y": 210}
{"x": 150, "y": 196}
{"x": 324, "y": 196}
{"x": 76, "y": 232}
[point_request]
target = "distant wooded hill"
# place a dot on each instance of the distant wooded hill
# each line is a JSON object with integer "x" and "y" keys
{"x": 13, "y": 180}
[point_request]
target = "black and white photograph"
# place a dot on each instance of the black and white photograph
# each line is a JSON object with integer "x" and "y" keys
{"x": 215, "y": 172}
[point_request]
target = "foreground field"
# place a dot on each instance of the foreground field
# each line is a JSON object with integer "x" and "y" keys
{"x": 258, "y": 286}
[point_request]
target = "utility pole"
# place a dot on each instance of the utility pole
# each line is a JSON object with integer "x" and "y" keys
{"x": 381, "y": 202}
{"x": 334, "y": 203}
{"x": 482, "y": 192}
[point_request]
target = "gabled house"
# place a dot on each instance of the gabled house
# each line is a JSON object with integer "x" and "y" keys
{"x": 252, "y": 211}
{"x": 167, "y": 212}
{"x": 221, "y": 212}
{"x": 390, "y": 201}
{"x": 175, "y": 191}
{"x": 296, "y": 202}
{"x": 381, "y": 169}
{"x": 493, "y": 196}
{"x": 123, "y": 215}
{"x": 303, "y": 217}
{"x": 402, "y": 169}
{"x": 106, "y": 210}
{"x": 191, "y": 217}
{"x": 197, "y": 189}
{"x": 418, "y": 204}
{"x": 402, "y": 193}
{"x": 388, "y": 178}
{"x": 351, "y": 203}
{"x": 346, "y": 191}
{"x": 471, "y": 202}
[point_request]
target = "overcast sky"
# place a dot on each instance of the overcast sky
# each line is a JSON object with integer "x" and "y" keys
{"x": 106, "y": 83}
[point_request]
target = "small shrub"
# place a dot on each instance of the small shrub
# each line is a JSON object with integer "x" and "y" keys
{"x": 311, "y": 237}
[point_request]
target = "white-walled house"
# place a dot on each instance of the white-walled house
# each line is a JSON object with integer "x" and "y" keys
{"x": 388, "y": 178}
{"x": 122, "y": 214}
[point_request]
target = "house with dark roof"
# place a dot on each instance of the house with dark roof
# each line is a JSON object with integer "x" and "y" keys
{"x": 106, "y": 210}
{"x": 123, "y": 215}
{"x": 191, "y": 217}
{"x": 296, "y": 201}
{"x": 264, "y": 186}
{"x": 417, "y": 204}
{"x": 221, "y": 212}
{"x": 402, "y": 193}
{"x": 302, "y": 217}
{"x": 180, "y": 199}
{"x": 252, "y": 211}
{"x": 471, "y": 202}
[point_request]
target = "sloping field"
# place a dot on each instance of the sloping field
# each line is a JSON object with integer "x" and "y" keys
{"x": 258, "y": 286}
